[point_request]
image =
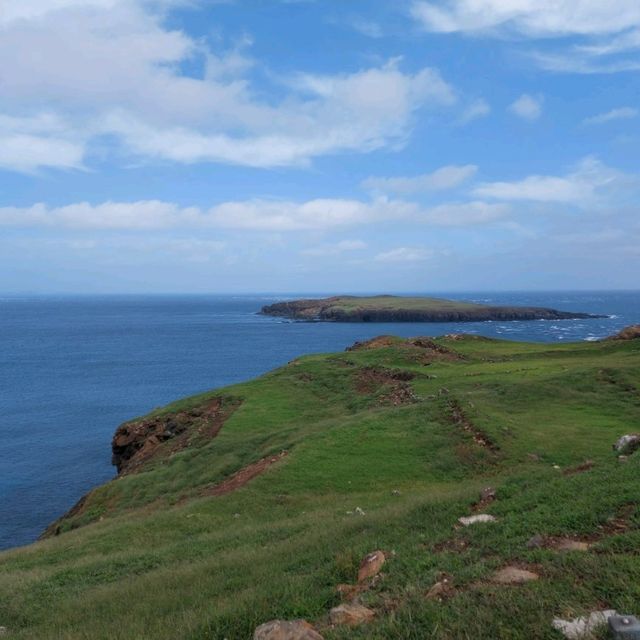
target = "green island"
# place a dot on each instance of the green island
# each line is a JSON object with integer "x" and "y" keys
{"x": 457, "y": 487}
{"x": 387, "y": 308}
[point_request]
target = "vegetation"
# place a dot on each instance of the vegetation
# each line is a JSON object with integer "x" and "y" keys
{"x": 406, "y": 309}
{"x": 388, "y": 445}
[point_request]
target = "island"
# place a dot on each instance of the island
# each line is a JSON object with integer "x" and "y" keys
{"x": 388, "y": 308}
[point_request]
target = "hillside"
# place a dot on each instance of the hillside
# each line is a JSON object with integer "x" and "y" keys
{"x": 257, "y": 501}
{"x": 405, "y": 309}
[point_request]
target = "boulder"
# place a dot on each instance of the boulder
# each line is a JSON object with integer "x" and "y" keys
{"x": 351, "y": 614}
{"x": 371, "y": 565}
{"x": 480, "y": 517}
{"x": 585, "y": 627}
{"x": 627, "y": 444}
{"x": 286, "y": 630}
{"x": 513, "y": 575}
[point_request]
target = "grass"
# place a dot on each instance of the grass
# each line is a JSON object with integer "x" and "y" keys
{"x": 151, "y": 557}
{"x": 349, "y": 303}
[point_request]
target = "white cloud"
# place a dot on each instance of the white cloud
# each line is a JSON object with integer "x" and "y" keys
{"x": 143, "y": 215}
{"x": 601, "y": 29}
{"x": 446, "y": 177}
{"x": 29, "y": 143}
{"x": 534, "y": 18}
{"x": 113, "y": 68}
{"x": 367, "y": 28}
{"x": 589, "y": 180}
{"x": 463, "y": 214}
{"x": 404, "y": 254}
{"x": 252, "y": 215}
{"x": 527, "y": 107}
{"x": 479, "y": 108}
{"x": 335, "y": 249}
{"x": 622, "y": 113}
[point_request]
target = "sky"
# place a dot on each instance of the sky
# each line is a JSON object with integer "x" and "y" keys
{"x": 330, "y": 146}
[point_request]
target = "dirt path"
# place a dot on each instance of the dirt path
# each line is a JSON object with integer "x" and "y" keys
{"x": 244, "y": 475}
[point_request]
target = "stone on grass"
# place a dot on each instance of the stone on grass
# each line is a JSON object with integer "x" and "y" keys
{"x": 624, "y": 627}
{"x": 627, "y": 444}
{"x": 567, "y": 544}
{"x": 513, "y": 575}
{"x": 349, "y": 591}
{"x": 286, "y": 630}
{"x": 371, "y": 565}
{"x": 351, "y": 614}
{"x": 440, "y": 590}
{"x": 488, "y": 493}
{"x": 480, "y": 517}
{"x": 585, "y": 627}
{"x": 536, "y": 542}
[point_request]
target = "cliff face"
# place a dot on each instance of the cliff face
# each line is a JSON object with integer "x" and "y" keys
{"x": 397, "y": 310}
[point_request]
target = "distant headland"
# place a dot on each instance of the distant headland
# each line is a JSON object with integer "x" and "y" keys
{"x": 387, "y": 308}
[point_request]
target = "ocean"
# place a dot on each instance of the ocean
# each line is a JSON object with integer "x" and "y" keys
{"x": 72, "y": 368}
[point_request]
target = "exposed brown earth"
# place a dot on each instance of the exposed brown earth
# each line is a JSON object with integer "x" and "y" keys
{"x": 137, "y": 442}
{"x": 393, "y": 385}
{"x": 461, "y": 420}
{"x": 581, "y": 468}
{"x": 379, "y": 342}
{"x": 241, "y": 477}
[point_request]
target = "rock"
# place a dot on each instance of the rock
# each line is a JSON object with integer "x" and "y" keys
{"x": 568, "y": 544}
{"x": 488, "y": 493}
{"x": 371, "y": 565}
{"x": 624, "y": 627}
{"x": 286, "y": 630}
{"x": 480, "y": 517}
{"x": 350, "y": 615}
{"x": 627, "y": 444}
{"x": 513, "y": 575}
{"x": 348, "y": 591}
{"x": 359, "y": 511}
{"x": 584, "y": 627}
{"x": 395, "y": 492}
{"x": 628, "y": 333}
{"x": 536, "y": 542}
{"x": 440, "y": 590}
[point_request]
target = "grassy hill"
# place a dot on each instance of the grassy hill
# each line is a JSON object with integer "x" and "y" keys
{"x": 256, "y": 501}
{"x": 407, "y": 309}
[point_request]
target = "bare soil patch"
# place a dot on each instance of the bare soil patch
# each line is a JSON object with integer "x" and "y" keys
{"x": 243, "y": 476}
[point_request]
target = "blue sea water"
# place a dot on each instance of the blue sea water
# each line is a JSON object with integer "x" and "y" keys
{"x": 73, "y": 368}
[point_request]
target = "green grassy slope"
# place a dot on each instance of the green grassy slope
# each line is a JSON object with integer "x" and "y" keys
{"x": 155, "y": 555}
{"x": 405, "y": 302}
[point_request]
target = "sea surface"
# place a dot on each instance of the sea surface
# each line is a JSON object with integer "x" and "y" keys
{"x": 73, "y": 368}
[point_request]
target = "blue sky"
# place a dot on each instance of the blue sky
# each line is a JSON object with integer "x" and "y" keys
{"x": 272, "y": 145}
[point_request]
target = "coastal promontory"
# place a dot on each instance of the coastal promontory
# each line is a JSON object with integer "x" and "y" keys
{"x": 387, "y": 308}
